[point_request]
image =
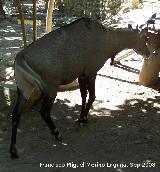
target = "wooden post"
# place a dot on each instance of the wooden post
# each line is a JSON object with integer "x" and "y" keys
{"x": 2, "y": 12}
{"x": 49, "y": 16}
{"x": 34, "y": 36}
{"x": 20, "y": 9}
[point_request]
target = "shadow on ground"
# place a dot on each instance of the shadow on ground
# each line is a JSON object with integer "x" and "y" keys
{"x": 130, "y": 134}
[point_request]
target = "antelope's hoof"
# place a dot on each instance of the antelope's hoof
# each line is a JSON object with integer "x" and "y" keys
{"x": 57, "y": 134}
{"x": 58, "y": 137}
{"x": 82, "y": 121}
{"x": 14, "y": 153}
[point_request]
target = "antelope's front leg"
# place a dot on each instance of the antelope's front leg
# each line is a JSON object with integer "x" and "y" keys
{"x": 83, "y": 89}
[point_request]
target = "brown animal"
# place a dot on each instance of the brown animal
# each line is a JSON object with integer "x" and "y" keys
{"x": 154, "y": 39}
{"x": 77, "y": 50}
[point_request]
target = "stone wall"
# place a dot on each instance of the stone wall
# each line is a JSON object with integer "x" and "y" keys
{"x": 96, "y": 9}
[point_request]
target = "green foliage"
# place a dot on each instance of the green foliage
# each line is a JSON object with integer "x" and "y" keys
{"x": 8, "y": 8}
{"x": 114, "y": 6}
{"x": 92, "y": 8}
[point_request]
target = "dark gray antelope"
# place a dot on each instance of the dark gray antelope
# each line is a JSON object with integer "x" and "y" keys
{"x": 77, "y": 50}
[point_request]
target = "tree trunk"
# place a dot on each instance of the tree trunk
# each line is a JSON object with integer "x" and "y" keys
{"x": 49, "y": 16}
{"x": 2, "y": 12}
{"x": 136, "y": 3}
{"x": 34, "y": 21}
{"x": 20, "y": 9}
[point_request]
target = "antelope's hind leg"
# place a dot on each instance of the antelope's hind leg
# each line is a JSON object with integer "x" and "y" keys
{"x": 16, "y": 115}
{"x": 45, "y": 113}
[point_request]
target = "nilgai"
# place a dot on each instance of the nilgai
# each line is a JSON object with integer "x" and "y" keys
{"x": 77, "y": 50}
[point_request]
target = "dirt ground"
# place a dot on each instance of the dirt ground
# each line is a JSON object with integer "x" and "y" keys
{"x": 123, "y": 133}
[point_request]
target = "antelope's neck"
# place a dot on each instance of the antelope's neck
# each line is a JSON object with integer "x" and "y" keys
{"x": 123, "y": 39}
{"x": 127, "y": 39}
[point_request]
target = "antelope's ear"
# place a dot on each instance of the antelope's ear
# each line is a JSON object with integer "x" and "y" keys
{"x": 130, "y": 26}
{"x": 142, "y": 26}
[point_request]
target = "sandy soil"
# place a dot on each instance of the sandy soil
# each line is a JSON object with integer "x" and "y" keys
{"x": 123, "y": 129}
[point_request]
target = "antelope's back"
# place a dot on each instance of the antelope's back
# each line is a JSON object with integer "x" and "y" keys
{"x": 66, "y": 52}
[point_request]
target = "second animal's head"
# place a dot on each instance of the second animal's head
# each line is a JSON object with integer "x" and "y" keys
{"x": 153, "y": 42}
{"x": 141, "y": 44}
